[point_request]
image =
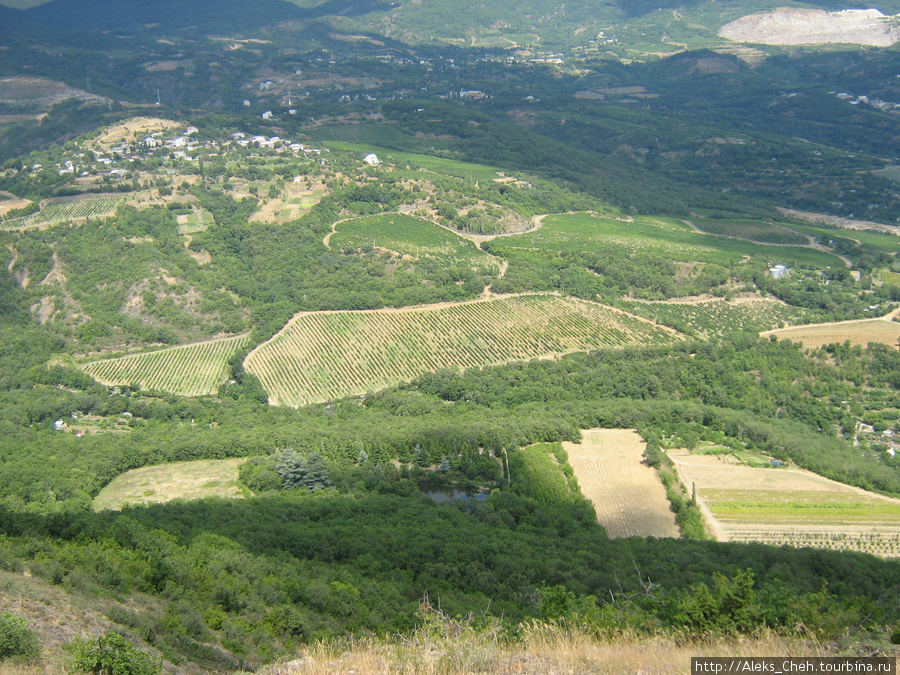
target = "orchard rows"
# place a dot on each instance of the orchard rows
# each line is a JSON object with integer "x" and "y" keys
{"x": 61, "y": 212}
{"x": 328, "y": 355}
{"x": 716, "y": 317}
{"x": 192, "y": 370}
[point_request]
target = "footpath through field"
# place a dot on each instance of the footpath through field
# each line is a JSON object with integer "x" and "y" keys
{"x": 628, "y": 496}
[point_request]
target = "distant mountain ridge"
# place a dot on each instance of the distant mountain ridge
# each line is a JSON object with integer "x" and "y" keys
{"x": 543, "y": 22}
{"x": 103, "y": 15}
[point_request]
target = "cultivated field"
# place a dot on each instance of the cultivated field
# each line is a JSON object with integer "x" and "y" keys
{"x": 197, "y": 221}
{"x": 450, "y": 167}
{"x": 190, "y": 370}
{"x": 294, "y": 202}
{"x": 165, "y": 482}
{"x": 714, "y": 318}
{"x": 322, "y": 356}
{"x": 66, "y": 212}
{"x": 883, "y": 330}
{"x": 788, "y": 506}
{"x": 670, "y": 237}
{"x": 413, "y": 237}
{"x": 752, "y": 230}
{"x": 628, "y": 496}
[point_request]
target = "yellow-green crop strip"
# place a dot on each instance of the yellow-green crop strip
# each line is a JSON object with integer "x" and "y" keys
{"x": 323, "y": 356}
{"x": 190, "y": 370}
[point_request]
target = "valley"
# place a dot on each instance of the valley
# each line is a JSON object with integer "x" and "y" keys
{"x": 447, "y": 339}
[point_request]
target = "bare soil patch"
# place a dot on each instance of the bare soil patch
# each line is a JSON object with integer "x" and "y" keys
{"x": 838, "y": 221}
{"x": 628, "y": 496}
{"x": 8, "y": 205}
{"x": 133, "y": 129}
{"x": 163, "y": 66}
{"x": 163, "y": 483}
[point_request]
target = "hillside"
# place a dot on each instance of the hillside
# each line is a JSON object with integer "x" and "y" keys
{"x": 805, "y": 27}
{"x": 439, "y": 338}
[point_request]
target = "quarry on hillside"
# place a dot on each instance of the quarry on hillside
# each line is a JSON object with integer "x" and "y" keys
{"x": 795, "y": 26}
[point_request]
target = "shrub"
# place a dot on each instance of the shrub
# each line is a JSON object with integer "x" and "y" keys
{"x": 111, "y": 654}
{"x": 16, "y": 639}
{"x": 259, "y": 474}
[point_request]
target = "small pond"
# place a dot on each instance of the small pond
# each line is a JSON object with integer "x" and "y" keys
{"x": 443, "y": 493}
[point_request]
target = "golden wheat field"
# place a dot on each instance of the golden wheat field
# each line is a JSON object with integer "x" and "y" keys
{"x": 628, "y": 496}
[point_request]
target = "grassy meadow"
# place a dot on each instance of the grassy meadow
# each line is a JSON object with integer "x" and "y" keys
{"x": 181, "y": 480}
{"x": 412, "y": 237}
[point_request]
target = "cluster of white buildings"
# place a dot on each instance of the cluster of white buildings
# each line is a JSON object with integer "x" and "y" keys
{"x": 874, "y": 102}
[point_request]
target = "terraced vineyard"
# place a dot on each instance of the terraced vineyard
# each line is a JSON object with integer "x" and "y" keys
{"x": 789, "y": 506}
{"x": 714, "y": 318}
{"x": 191, "y": 370}
{"x": 414, "y": 237}
{"x": 322, "y": 356}
{"x": 63, "y": 212}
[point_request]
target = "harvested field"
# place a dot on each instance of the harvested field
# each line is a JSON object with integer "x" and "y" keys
{"x": 628, "y": 496}
{"x": 788, "y": 506}
{"x": 883, "y": 330}
{"x": 8, "y": 205}
{"x": 165, "y": 482}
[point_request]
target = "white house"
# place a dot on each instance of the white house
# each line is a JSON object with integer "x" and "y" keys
{"x": 372, "y": 159}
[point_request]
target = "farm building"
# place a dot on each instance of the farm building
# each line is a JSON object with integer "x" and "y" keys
{"x": 372, "y": 159}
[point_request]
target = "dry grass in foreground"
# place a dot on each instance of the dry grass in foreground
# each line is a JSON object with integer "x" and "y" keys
{"x": 547, "y": 649}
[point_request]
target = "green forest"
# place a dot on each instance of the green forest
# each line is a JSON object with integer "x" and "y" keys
{"x": 621, "y": 153}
